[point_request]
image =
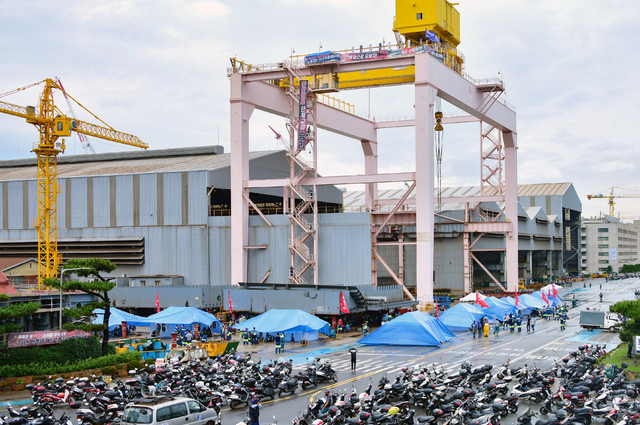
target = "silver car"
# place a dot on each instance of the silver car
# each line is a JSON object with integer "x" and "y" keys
{"x": 169, "y": 411}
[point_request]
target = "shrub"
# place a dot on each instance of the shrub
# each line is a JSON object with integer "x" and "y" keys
{"x": 52, "y": 368}
{"x": 71, "y": 350}
{"x": 149, "y": 362}
{"x": 109, "y": 371}
{"x": 135, "y": 364}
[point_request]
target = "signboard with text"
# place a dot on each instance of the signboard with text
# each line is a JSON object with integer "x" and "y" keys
{"x": 31, "y": 339}
{"x": 302, "y": 115}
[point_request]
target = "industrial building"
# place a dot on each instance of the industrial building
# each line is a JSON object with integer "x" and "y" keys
{"x": 548, "y": 231}
{"x": 608, "y": 242}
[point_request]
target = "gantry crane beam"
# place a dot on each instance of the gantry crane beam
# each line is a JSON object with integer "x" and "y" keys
{"x": 52, "y": 124}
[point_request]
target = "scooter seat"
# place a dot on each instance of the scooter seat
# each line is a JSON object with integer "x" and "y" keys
{"x": 422, "y": 419}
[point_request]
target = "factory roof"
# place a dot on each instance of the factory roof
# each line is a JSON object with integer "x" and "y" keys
{"x": 354, "y": 200}
{"x": 136, "y": 162}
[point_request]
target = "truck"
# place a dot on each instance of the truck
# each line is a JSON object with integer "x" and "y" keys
{"x": 599, "y": 320}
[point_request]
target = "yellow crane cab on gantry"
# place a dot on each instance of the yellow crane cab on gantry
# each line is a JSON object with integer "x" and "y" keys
{"x": 611, "y": 197}
{"x": 431, "y": 26}
{"x": 53, "y": 125}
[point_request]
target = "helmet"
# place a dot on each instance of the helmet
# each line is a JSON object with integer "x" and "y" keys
{"x": 327, "y": 392}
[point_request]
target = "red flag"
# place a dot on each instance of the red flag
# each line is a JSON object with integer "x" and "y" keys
{"x": 516, "y": 295}
{"x": 555, "y": 292}
{"x": 230, "y": 305}
{"x": 343, "y": 304}
{"x": 157, "y": 302}
{"x": 549, "y": 294}
{"x": 544, "y": 298}
{"x": 437, "y": 309}
{"x": 482, "y": 303}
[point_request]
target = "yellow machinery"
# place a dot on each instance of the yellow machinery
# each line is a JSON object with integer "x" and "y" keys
{"x": 52, "y": 125}
{"x": 610, "y": 197}
{"x": 419, "y": 25}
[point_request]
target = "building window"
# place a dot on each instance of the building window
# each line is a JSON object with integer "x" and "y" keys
{"x": 418, "y": 16}
{"x": 603, "y": 246}
{"x": 157, "y": 282}
{"x": 602, "y": 269}
{"x": 603, "y": 254}
{"x": 603, "y": 238}
{"x": 603, "y": 261}
{"x": 603, "y": 229}
{"x": 143, "y": 283}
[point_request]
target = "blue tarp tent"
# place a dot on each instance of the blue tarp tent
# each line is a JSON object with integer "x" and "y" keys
{"x": 116, "y": 317}
{"x": 415, "y": 328}
{"x": 500, "y": 307}
{"x": 528, "y": 300}
{"x": 552, "y": 301}
{"x": 523, "y": 309}
{"x": 461, "y": 316}
{"x": 297, "y": 322}
{"x": 178, "y": 316}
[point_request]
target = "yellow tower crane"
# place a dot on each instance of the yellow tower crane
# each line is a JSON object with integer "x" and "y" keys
{"x": 610, "y": 197}
{"x": 52, "y": 125}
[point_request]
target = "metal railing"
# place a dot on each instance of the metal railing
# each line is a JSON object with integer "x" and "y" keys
{"x": 224, "y": 212}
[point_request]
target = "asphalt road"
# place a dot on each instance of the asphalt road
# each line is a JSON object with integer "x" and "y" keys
{"x": 540, "y": 348}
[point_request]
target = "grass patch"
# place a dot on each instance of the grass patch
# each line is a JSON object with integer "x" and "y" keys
{"x": 619, "y": 355}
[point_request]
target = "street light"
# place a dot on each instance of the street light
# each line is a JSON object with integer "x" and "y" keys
{"x": 62, "y": 272}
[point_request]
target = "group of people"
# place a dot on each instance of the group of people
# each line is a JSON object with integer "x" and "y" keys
{"x": 184, "y": 335}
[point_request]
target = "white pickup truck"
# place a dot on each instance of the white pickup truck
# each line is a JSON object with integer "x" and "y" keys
{"x": 599, "y": 320}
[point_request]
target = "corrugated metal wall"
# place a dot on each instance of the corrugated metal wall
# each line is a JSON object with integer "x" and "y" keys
{"x": 344, "y": 242}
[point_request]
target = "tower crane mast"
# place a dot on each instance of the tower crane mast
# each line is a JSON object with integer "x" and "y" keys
{"x": 611, "y": 197}
{"x": 52, "y": 125}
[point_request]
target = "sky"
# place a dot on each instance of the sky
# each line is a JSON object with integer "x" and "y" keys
{"x": 158, "y": 70}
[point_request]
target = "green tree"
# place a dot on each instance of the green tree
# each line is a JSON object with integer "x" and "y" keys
{"x": 9, "y": 312}
{"x": 99, "y": 288}
{"x": 631, "y": 310}
{"x": 630, "y": 268}
{"x": 609, "y": 269}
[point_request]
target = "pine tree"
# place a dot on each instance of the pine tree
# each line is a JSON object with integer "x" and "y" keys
{"x": 99, "y": 288}
{"x": 10, "y": 312}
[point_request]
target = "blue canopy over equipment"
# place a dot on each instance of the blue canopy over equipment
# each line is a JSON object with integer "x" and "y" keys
{"x": 297, "y": 322}
{"x": 461, "y": 316}
{"x": 552, "y": 301}
{"x": 415, "y": 328}
{"x": 178, "y": 316}
{"x": 528, "y": 300}
{"x": 116, "y": 317}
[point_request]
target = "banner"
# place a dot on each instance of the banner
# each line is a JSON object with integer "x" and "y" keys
{"x": 230, "y": 305}
{"x": 343, "y": 304}
{"x": 517, "y": 301}
{"x": 613, "y": 254}
{"x": 361, "y": 56}
{"x": 302, "y": 120}
{"x": 321, "y": 58}
{"x": 31, "y": 339}
{"x": 432, "y": 36}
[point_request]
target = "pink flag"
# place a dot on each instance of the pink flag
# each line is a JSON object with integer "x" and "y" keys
{"x": 544, "y": 298}
{"x": 437, "y": 309}
{"x": 157, "y": 302}
{"x": 230, "y": 305}
{"x": 516, "y": 296}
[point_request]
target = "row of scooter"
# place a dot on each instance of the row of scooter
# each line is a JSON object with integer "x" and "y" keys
{"x": 575, "y": 390}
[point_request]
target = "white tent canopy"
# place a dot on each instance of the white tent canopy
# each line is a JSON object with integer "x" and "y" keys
{"x": 472, "y": 297}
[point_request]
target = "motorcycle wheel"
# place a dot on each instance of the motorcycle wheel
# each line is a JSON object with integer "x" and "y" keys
{"x": 544, "y": 411}
{"x": 495, "y": 421}
{"x": 71, "y": 400}
{"x": 538, "y": 398}
{"x": 513, "y": 408}
{"x": 504, "y": 390}
{"x": 335, "y": 377}
{"x": 304, "y": 386}
{"x": 500, "y": 376}
{"x": 279, "y": 393}
{"x": 234, "y": 404}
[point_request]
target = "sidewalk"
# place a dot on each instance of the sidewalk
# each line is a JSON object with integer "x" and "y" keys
{"x": 265, "y": 351}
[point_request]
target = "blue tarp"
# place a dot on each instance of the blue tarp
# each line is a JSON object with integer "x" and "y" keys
{"x": 523, "y": 309}
{"x": 116, "y": 317}
{"x": 552, "y": 301}
{"x": 178, "y": 316}
{"x": 415, "y": 328}
{"x": 297, "y": 322}
{"x": 500, "y": 307}
{"x": 461, "y": 316}
{"x": 530, "y": 301}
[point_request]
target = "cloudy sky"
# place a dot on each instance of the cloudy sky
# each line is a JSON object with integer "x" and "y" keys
{"x": 157, "y": 69}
